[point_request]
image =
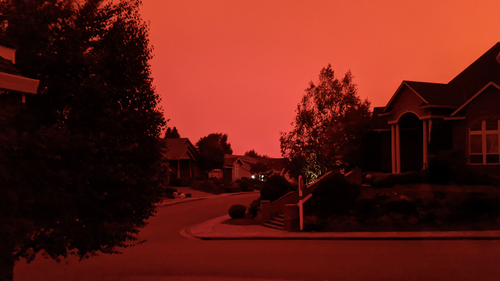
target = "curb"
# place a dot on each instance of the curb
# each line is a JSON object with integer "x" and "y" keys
{"x": 206, "y": 231}
{"x": 185, "y": 200}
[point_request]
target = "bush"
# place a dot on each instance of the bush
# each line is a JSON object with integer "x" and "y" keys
{"x": 169, "y": 192}
{"x": 334, "y": 196}
{"x": 207, "y": 186}
{"x": 275, "y": 187}
{"x": 389, "y": 180}
{"x": 406, "y": 206}
{"x": 245, "y": 186}
{"x": 176, "y": 182}
{"x": 230, "y": 188}
{"x": 470, "y": 176}
{"x": 237, "y": 211}
{"x": 254, "y": 208}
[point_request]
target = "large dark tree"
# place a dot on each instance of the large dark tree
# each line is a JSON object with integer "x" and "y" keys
{"x": 212, "y": 149}
{"x": 172, "y": 133}
{"x": 330, "y": 121}
{"x": 81, "y": 162}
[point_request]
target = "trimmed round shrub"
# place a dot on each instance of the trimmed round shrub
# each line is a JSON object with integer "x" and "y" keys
{"x": 254, "y": 208}
{"x": 237, "y": 211}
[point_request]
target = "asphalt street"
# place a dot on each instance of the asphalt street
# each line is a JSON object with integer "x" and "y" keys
{"x": 167, "y": 255}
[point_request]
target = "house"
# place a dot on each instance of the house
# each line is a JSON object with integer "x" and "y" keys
{"x": 239, "y": 166}
{"x": 425, "y": 119}
{"x": 11, "y": 79}
{"x": 181, "y": 156}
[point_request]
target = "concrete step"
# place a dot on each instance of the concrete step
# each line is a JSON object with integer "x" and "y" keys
{"x": 276, "y": 222}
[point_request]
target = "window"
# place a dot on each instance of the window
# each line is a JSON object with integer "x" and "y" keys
{"x": 483, "y": 142}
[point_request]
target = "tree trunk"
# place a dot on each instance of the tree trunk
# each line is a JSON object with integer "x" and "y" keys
{"x": 6, "y": 266}
{"x": 7, "y": 261}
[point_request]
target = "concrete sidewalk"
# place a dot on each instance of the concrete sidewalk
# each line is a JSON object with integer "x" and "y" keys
{"x": 215, "y": 229}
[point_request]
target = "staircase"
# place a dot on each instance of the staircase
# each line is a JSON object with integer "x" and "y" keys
{"x": 276, "y": 222}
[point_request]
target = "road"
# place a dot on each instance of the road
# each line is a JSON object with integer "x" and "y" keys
{"x": 167, "y": 255}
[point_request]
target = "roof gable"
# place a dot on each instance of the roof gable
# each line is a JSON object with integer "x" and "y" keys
{"x": 180, "y": 148}
{"x": 482, "y": 71}
{"x": 492, "y": 84}
{"x": 398, "y": 93}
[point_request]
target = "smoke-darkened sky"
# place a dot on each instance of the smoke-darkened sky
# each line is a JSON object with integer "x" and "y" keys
{"x": 240, "y": 67}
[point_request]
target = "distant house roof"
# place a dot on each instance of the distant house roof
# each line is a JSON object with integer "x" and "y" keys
{"x": 277, "y": 164}
{"x": 461, "y": 89}
{"x": 6, "y": 66}
{"x": 180, "y": 148}
{"x": 10, "y": 77}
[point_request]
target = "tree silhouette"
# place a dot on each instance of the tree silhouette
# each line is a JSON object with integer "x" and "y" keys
{"x": 81, "y": 162}
{"x": 330, "y": 121}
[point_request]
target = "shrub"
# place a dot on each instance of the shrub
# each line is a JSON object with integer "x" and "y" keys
{"x": 217, "y": 182}
{"x": 275, "y": 187}
{"x": 237, "y": 211}
{"x": 208, "y": 186}
{"x": 245, "y": 186}
{"x": 254, "y": 207}
{"x": 406, "y": 206}
{"x": 169, "y": 192}
{"x": 470, "y": 176}
{"x": 389, "y": 180}
{"x": 439, "y": 170}
{"x": 176, "y": 182}
{"x": 230, "y": 188}
{"x": 334, "y": 196}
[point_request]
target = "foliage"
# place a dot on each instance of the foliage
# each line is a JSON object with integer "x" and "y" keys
{"x": 212, "y": 149}
{"x": 254, "y": 208}
{"x": 81, "y": 162}
{"x": 329, "y": 124}
{"x": 237, "y": 211}
{"x": 245, "y": 186}
{"x": 446, "y": 167}
{"x": 275, "y": 187}
{"x": 381, "y": 180}
{"x": 334, "y": 196}
{"x": 172, "y": 133}
{"x": 261, "y": 169}
{"x": 252, "y": 153}
{"x": 207, "y": 186}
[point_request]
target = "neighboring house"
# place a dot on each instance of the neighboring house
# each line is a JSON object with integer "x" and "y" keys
{"x": 239, "y": 166}
{"x": 181, "y": 156}
{"x": 426, "y": 119}
{"x": 11, "y": 79}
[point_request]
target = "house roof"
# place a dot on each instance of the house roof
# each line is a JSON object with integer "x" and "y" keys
{"x": 482, "y": 71}
{"x": 7, "y": 66}
{"x": 461, "y": 89}
{"x": 180, "y": 148}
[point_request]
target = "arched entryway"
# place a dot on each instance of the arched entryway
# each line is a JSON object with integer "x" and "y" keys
{"x": 410, "y": 128}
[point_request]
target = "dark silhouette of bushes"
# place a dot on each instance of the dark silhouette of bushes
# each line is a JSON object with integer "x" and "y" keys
{"x": 334, "y": 196}
{"x": 275, "y": 187}
{"x": 237, "y": 211}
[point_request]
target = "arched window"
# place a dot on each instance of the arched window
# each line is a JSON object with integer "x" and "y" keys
{"x": 484, "y": 141}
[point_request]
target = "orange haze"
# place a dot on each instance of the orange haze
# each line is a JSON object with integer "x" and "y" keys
{"x": 241, "y": 67}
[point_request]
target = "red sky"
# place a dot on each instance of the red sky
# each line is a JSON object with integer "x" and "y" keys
{"x": 240, "y": 67}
